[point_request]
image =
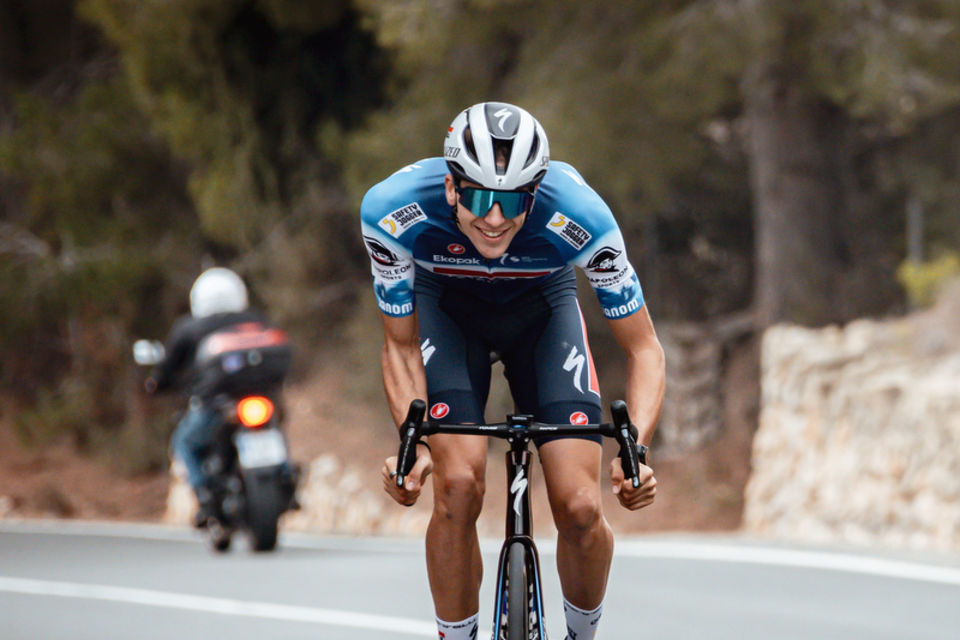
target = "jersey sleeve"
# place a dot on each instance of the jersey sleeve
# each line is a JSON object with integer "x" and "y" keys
{"x": 391, "y": 262}
{"x": 592, "y": 231}
{"x": 612, "y": 276}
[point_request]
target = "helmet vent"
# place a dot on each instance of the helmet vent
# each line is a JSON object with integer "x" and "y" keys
{"x": 468, "y": 144}
{"x": 502, "y": 149}
{"x": 534, "y": 150}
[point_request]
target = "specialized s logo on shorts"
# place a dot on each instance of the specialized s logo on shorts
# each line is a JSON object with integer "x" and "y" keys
{"x": 426, "y": 351}
{"x": 576, "y": 362}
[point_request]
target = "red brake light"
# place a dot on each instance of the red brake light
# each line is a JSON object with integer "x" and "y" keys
{"x": 254, "y": 411}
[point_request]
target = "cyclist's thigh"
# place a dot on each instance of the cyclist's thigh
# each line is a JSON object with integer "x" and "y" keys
{"x": 459, "y": 462}
{"x": 457, "y": 364}
{"x": 564, "y": 360}
{"x": 572, "y": 469}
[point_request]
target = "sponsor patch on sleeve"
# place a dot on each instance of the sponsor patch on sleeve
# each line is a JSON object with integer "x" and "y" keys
{"x": 575, "y": 235}
{"x": 608, "y": 268}
{"x": 396, "y": 222}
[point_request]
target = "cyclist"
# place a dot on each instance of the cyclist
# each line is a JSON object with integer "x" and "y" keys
{"x": 472, "y": 254}
{"x": 218, "y": 301}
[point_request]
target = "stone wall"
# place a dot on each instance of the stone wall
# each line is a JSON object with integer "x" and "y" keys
{"x": 859, "y": 433}
{"x": 335, "y": 500}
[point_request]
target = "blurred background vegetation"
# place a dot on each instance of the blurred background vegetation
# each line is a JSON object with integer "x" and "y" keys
{"x": 795, "y": 159}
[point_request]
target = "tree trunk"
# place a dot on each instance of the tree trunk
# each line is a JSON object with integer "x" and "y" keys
{"x": 797, "y": 160}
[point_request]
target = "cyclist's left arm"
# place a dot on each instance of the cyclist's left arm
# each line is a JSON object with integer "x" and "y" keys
{"x": 644, "y": 395}
{"x": 646, "y": 371}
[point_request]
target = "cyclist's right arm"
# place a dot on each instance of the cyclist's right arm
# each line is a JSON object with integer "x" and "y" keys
{"x": 404, "y": 377}
{"x": 404, "y": 380}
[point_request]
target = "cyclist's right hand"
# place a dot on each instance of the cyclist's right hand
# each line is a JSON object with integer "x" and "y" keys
{"x": 413, "y": 483}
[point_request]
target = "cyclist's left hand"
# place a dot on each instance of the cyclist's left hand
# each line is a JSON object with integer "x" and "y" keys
{"x": 630, "y": 497}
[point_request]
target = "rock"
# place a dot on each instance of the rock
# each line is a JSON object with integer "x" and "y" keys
{"x": 859, "y": 433}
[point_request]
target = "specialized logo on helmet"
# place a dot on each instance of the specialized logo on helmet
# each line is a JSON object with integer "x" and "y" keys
{"x": 396, "y": 222}
{"x": 503, "y": 120}
{"x": 503, "y": 114}
{"x": 379, "y": 253}
{"x": 604, "y": 260}
{"x": 578, "y": 417}
{"x": 439, "y": 410}
{"x": 574, "y": 235}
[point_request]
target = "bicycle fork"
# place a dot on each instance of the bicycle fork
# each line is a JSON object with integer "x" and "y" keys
{"x": 519, "y": 561}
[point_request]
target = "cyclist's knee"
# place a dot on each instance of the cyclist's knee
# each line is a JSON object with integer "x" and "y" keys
{"x": 579, "y": 514}
{"x": 459, "y": 495}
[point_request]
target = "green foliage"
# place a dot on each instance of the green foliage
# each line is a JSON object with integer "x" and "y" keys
{"x": 238, "y": 89}
{"x": 52, "y": 414}
{"x": 923, "y": 281}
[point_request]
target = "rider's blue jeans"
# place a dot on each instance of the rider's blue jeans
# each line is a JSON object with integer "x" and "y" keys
{"x": 191, "y": 438}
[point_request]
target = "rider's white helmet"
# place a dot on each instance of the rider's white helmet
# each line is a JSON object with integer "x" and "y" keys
{"x": 217, "y": 290}
{"x": 478, "y": 133}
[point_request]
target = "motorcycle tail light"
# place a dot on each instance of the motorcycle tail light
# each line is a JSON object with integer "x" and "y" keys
{"x": 254, "y": 411}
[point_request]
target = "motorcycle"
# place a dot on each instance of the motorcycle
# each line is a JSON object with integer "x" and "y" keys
{"x": 252, "y": 477}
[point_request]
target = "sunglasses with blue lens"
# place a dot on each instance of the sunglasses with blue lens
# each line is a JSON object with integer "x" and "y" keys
{"x": 480, "y": 201}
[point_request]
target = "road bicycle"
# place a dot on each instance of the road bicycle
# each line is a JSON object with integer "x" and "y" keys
{"x": 518, "y": 607}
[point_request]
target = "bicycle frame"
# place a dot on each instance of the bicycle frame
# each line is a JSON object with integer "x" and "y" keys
{"x": 519, "y": 430}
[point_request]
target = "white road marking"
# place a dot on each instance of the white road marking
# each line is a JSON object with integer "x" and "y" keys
{"x": 646, "y": 547}
{"x": 223, "y": 606}
{"x": 819, "y": 560}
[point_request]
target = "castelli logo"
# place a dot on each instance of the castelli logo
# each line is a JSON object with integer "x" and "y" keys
{"x": 456, "y": 249}
{"x": 578, "y": 417}
{"x": 440, "y": 409}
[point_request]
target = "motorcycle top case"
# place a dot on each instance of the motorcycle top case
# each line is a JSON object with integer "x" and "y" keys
{"x": 245, "y": 357}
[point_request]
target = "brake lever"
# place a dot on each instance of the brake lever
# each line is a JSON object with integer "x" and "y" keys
{"x": 409, "y": 434}
{"x": 626, "y": 434}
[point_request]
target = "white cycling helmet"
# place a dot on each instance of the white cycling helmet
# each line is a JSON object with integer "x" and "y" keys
{"x": 217, "y": 290}
{"x": 476, "y": 135}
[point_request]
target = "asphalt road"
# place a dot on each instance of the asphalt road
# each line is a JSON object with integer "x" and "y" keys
{"x": 102, "y": 582}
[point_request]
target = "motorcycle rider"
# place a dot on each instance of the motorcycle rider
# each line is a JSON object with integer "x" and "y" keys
{"x": 218, "y": 300}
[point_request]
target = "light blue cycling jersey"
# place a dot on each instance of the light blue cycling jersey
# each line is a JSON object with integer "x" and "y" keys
{"x": 409, "y": 228}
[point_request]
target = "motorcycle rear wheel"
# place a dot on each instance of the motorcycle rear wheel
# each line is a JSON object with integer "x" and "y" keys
{"x": 265, "y": 500}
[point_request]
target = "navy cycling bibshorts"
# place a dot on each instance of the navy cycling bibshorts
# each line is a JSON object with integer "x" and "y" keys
{"x": 539, "y": 336}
